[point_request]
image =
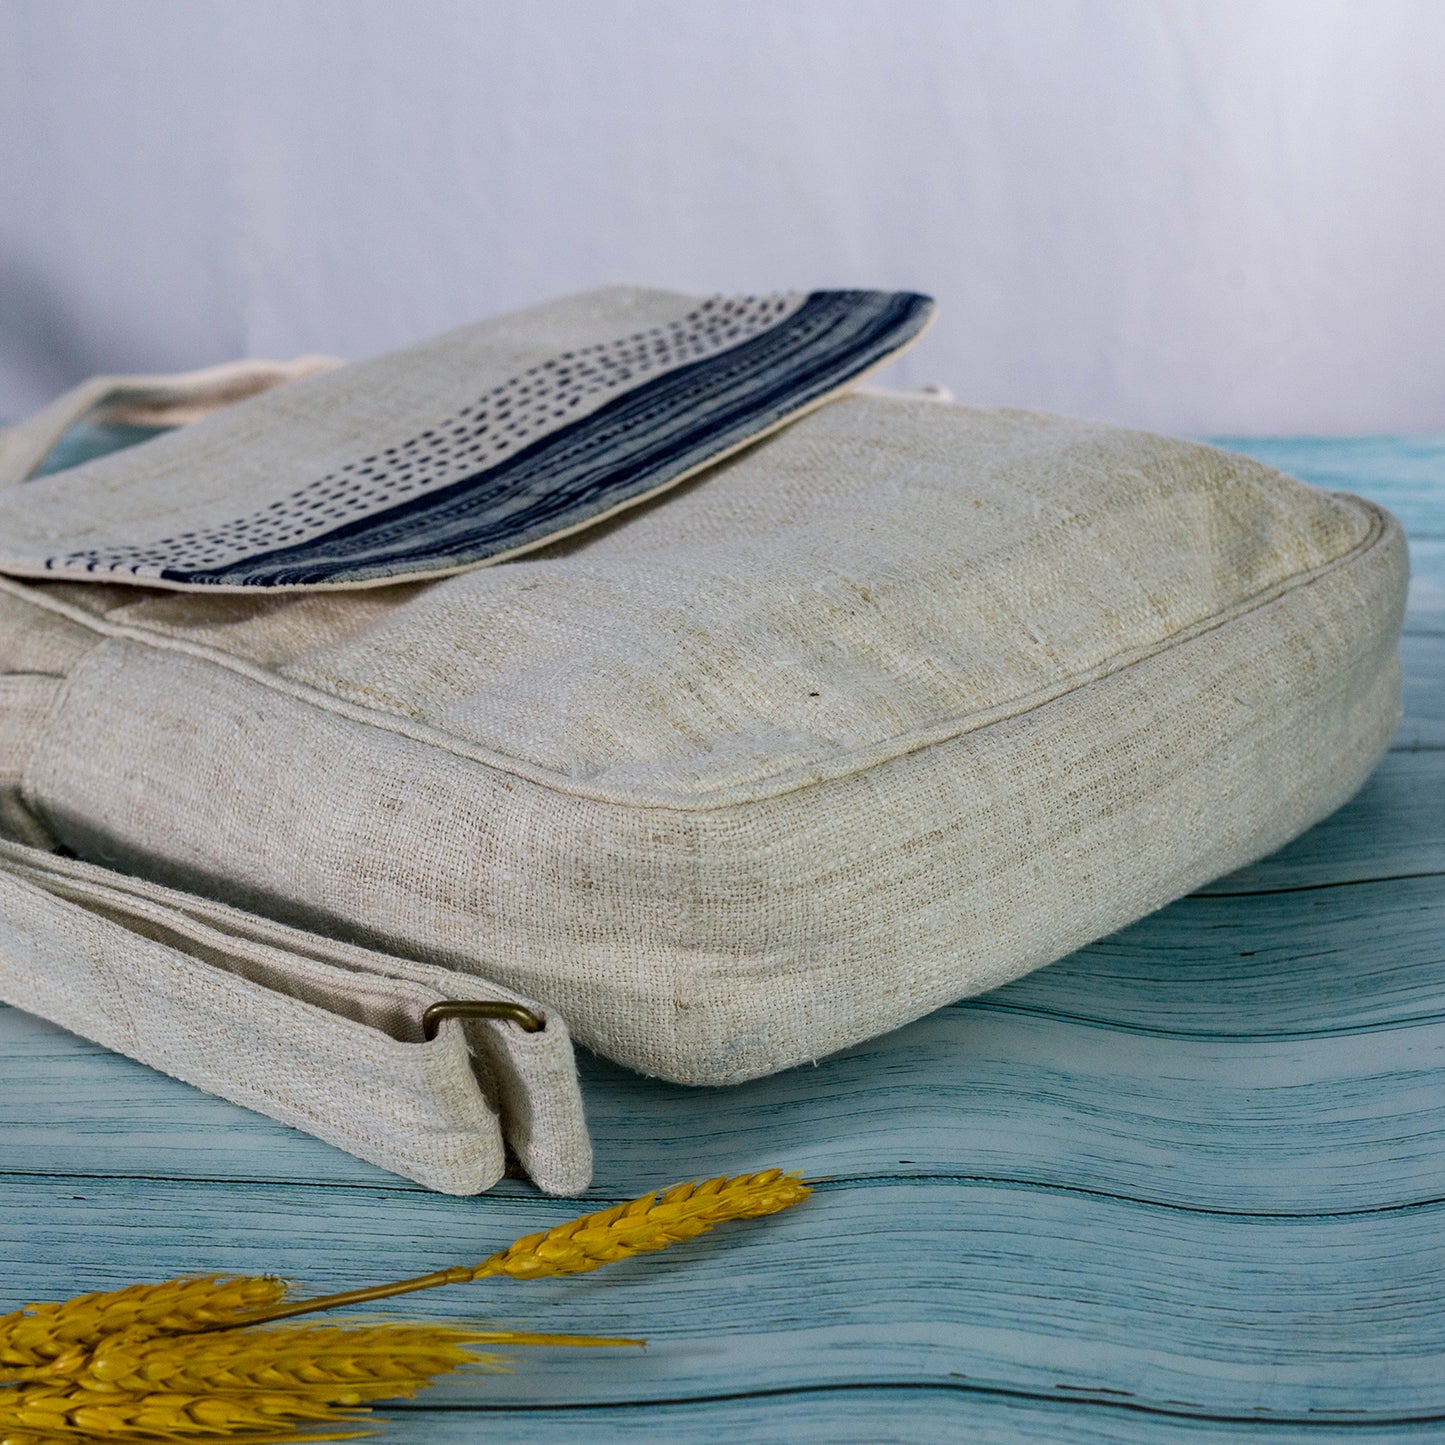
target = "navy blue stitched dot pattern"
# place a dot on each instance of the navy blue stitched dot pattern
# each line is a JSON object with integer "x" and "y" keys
{"x": 537, "y": 456}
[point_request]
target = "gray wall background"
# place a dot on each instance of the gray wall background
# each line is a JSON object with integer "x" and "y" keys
{"x": 1195, "y": 215}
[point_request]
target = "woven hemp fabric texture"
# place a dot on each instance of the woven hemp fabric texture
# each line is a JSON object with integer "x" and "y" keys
{"x": 895, "y": 704}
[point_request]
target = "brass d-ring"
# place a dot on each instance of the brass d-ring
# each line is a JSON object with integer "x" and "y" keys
{"x": 466, "y": 1008}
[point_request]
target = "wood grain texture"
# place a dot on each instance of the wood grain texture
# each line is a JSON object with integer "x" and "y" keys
{"x": 1187, "y": 1184}
{"x": 1026, "y": 1287}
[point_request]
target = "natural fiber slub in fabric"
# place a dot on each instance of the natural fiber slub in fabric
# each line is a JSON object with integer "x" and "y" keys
{"x": 891, "y": 708}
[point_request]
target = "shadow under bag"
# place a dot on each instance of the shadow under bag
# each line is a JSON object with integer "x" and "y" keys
{"x": 618, "y": 670}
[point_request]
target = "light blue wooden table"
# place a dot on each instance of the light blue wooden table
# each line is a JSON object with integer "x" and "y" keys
{"x": 1187, "y": 1184}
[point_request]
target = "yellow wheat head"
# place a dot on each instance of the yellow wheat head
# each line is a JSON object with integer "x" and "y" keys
{"x": 39, "y": 1413}
{"x": 43, "y": 1332}
{"x": 203, "y": 1359}
{"x": 649, "y": 1223}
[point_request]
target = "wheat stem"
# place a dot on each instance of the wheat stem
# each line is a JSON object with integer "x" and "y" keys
{"x": 651, "y": 1222}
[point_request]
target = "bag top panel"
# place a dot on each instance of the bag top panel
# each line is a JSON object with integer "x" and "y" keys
{"x": 883, "y": 574}
{"x": 476, "y": 446}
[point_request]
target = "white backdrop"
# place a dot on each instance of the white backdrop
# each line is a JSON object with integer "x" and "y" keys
{"x": 1197, "y": 215}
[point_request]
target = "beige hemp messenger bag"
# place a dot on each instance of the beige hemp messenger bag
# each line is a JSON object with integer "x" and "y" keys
{"x": 308, "y": 803}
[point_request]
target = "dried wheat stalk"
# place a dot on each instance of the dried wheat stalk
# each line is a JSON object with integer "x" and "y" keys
{"x": 182, "y": 1361}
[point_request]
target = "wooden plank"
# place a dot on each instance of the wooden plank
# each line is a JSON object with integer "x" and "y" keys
{"x": 1261, "y": 965}
{"x": 1008, "y": 1287}
{"x": 864, "y": 1414}
{"x": 1275, "y": 1126}
{"x": 1427, "y": 585}
{"x": 1231, "y": 1125}
{"x": 1422, "y": 662}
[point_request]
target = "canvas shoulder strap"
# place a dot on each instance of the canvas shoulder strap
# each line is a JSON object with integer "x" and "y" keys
{"x": 327, "y": 1037}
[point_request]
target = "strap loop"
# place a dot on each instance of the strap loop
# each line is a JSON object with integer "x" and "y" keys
{"x": 463, "y": 1008}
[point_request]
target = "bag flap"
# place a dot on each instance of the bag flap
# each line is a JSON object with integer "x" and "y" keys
{"x": 470, "y": 448}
